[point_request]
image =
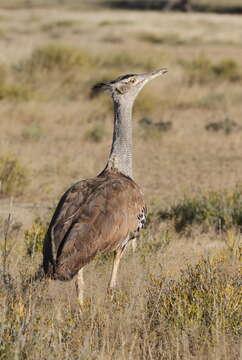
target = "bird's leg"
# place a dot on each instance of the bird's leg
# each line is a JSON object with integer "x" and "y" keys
{"x": 80, "y": 286}
{"x": 117, "y": 256}
{"x": 134, "y": 244}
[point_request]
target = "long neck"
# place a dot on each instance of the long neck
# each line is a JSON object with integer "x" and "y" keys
{"x": 120, "y": 157}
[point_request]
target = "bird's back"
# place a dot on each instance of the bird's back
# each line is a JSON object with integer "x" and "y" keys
{"x": 99, "y": 214}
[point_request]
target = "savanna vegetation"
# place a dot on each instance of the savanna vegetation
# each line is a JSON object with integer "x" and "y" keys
{"x": 179, "y": 294}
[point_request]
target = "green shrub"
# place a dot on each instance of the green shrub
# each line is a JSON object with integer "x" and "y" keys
{"x": 203, "y": 302}
{"x": 55, "y": 57}
{"x": 34, "y": 237}
{"x": 216, "y": 209}
{"x": 14, "y": 177}
{"x": 14, "y": 92}
{"x": 228, "y": 70}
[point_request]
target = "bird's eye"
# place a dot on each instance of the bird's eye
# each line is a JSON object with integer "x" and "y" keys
{"x": 132, "y": 80}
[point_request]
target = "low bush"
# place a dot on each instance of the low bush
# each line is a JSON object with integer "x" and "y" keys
{"x": 220, "y": 210}
{"x": 55, "y": 57}
{"x": 228, "y": 70}
{"x": 14, "y": 92}
{"x": 202, "y": 70}
{"x": 154, "y": 128}
{"x": 34, "y": 237}
{"x": 201, "y": 306}
{"x": 227, "y": 126}
{"x": 154, "y": 38}
{"x": 14, "y": 177}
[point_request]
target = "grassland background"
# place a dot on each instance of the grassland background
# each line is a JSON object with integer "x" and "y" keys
{"x": 227, "y": 6}
{"x": 55, "y": 134}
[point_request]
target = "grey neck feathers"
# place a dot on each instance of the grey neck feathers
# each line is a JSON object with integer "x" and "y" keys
{"x": 120, "y": 157}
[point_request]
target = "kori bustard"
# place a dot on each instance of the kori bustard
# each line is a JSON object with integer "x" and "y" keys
{"x": 104, "y": 213}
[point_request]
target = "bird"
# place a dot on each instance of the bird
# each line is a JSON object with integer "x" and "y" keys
{"x": 104, "y": 213}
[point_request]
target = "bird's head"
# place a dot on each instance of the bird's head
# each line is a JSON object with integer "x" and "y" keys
{"x": 127, "y": 86}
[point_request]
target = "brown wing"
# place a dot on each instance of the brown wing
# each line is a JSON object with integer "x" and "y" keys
{"x": 64, "y": 215}
{"x": 94, "y": 215}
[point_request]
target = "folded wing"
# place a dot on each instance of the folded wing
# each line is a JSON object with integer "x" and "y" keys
{"x": 99, "y": 214}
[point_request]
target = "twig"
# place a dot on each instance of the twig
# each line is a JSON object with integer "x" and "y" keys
{"x": 5, "y": 252}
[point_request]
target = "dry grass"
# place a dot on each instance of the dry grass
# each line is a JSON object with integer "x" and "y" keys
{"x": 53, "y": 127}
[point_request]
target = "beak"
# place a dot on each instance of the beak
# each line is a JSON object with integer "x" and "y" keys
{"x": 153, "y": 74}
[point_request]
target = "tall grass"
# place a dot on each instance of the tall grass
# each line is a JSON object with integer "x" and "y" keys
{"x": 194, "y": 316}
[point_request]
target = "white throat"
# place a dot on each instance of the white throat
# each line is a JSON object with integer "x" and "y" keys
{"x": 120, "y": 157}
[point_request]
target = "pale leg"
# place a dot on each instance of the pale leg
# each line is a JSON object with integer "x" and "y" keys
{"x": 134, "y": 244}
{"x": 117, "y": 256}
{"x": 80, "y": 286}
